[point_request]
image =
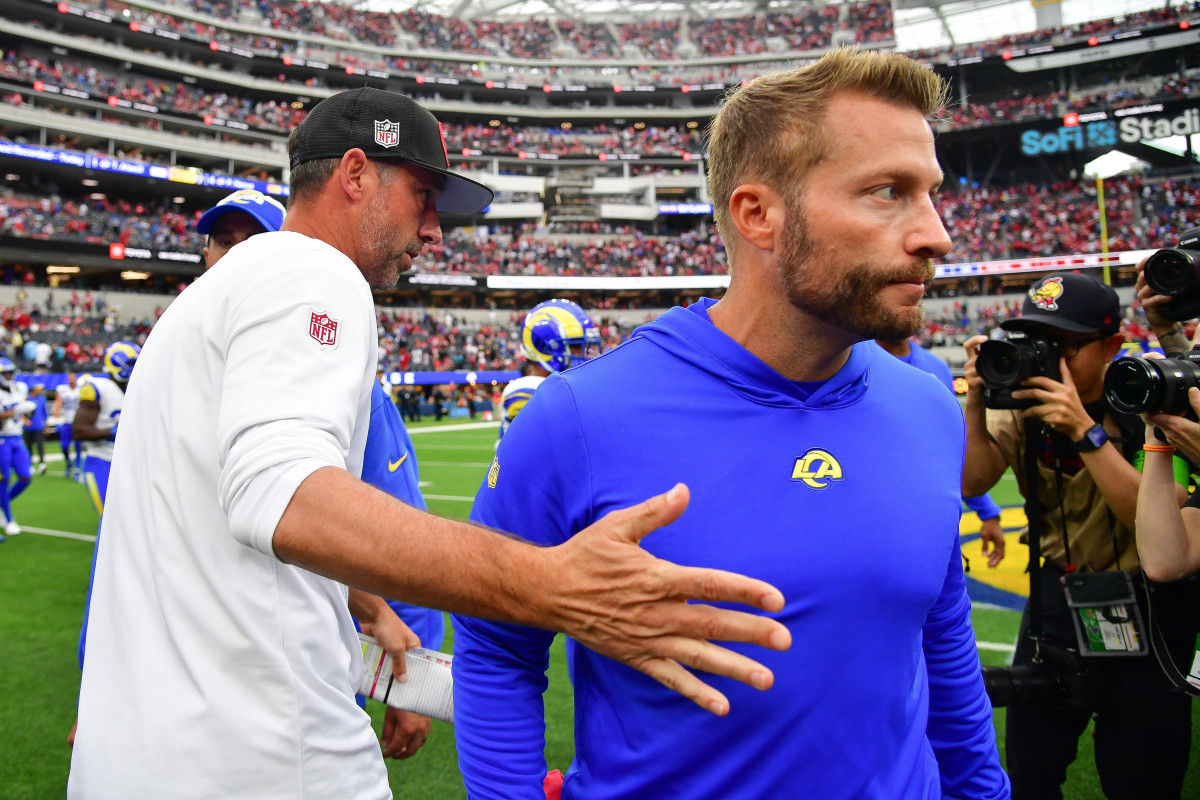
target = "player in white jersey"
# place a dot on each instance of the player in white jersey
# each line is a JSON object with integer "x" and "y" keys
{"x": 100, "y": 402}
{"x": 14, "y": 457}
{"x": 554, "y": 335}
{"x": 95, "y": 424}
{"x": 66, "y": 403}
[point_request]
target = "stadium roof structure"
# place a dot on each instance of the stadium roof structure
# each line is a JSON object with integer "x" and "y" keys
{"x": 920, "y": 24}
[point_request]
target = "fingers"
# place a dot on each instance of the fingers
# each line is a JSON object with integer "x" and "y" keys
{"x": 718, "y": 586}
{"x": 403, "y": 734}
{"x": 673, "y": 676}
{"x": 997, "y": 552}
{"x": 702, "y": 623}
{"x": 1194, "y": 399}
{"x": 972, "y": 345}
{"x": 1065, "y": 371}
{"x": 974, "y": 342}
{"x": 631, "y": 524}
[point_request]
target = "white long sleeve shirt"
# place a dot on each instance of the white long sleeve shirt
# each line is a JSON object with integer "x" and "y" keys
{"x": 213, "y": 669}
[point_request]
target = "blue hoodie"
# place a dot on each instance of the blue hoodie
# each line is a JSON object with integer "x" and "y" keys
{"x": 390, "y": 464}
{"x": 983, "y": 505}
{"x": 842, "y": 493}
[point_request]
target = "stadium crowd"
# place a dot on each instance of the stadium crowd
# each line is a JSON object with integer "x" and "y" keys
{"x": 278, "y": 116}
{"x": 869, "y": 21}
{"x": 866, "y": 22}
{"x": 1035, "y": 219}
{"x": 992, "y": 223}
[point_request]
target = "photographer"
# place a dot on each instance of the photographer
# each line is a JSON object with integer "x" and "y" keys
{"x": 1087, "y": 488}
{"x": 1168, "y": 536}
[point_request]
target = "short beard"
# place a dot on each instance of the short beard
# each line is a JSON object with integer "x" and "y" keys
{"x": 379, "y": 261}
{"x": 846, "y": 296}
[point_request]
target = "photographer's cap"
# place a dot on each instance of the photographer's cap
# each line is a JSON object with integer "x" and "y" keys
{"x": 386, "y": 125}
{"x": 1069, "y": 301}
{"x": 267, "y": 210}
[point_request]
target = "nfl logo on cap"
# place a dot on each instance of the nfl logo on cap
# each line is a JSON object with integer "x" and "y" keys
{"x": 387, "y": 133}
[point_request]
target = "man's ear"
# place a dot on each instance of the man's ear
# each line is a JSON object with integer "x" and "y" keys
{"x": 758, "y": 214}
{"x": 1112, "y": 346}
{"x": 354, "y": 173}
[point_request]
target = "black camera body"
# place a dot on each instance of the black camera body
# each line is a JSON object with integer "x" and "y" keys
{"x": 1136, "y": 385}
{"x": 1175, "y": 271}
{"x": 1005, "y": 364}
{"x": 1058, "y": 675}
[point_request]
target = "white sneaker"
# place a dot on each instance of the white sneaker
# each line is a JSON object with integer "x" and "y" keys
{"x": 12, "y": 528}
{"x": 41, "y": 469}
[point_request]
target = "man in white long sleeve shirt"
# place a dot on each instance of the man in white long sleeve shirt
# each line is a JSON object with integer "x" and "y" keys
{"x": 221, "y": 658}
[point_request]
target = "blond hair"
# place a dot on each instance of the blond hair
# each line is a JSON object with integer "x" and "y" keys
{"x": 772, "y": 130}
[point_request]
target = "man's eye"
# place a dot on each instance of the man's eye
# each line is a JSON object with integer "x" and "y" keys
{"x": 885, "y": 192}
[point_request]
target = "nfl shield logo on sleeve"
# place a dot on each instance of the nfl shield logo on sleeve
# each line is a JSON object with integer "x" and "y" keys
{"x": 323, "y": 329}
{"x": 387, "y": 133}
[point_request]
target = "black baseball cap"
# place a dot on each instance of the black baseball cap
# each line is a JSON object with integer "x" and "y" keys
{"x": 1069, "y": 301}
{"x": 386, "y": 125}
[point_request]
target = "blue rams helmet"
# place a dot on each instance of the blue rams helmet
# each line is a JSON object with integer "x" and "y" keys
{"x": 119, "y": 359}
{"x": 558, "y": 334}
{"x": 7, "y": 371}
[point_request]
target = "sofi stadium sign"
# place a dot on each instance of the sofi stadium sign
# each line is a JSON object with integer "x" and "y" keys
{"x": 1104, "y": 129}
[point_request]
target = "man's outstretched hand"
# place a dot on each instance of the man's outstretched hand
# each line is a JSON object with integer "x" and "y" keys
{"x": 614, "y": 597}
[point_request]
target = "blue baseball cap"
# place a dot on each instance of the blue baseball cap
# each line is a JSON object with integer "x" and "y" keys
{"x": 267, "y": 210}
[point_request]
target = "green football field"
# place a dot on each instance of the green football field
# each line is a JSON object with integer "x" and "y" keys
{"x": 43, "y": 579}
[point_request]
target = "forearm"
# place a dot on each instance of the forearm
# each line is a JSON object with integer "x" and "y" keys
{"x": 983, "y": 463}
{"x": 1165, "y": 548}
{"x": 959, "y": 727}
{"x": 1117, "y": 481}
{"x": 1172, "y": 340}
{"x": 366, "y": 607}
{"x": 499, "y": 681}
{"x": 88, "y": 433}
{"x": 339, "y": 527}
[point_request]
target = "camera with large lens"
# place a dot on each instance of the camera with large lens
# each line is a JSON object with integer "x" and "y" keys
{"x": 1175, "y": 271}
{"x": 1056, "y": 675}
{"x": 1135, "y": 385}
{"x": 1005, "y": 364}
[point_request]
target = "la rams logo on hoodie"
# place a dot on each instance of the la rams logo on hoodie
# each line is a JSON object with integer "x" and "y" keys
{"x": 817, "y": 468}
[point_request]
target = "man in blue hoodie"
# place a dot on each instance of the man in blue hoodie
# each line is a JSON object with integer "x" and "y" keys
{"x": 814, "y": 459}
{"x": 988, "y": 511}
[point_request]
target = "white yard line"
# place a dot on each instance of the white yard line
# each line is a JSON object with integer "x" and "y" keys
{"x": 83, "y": 537}
{"x": 475, "y": 464}
{"x": 466, "y": 426}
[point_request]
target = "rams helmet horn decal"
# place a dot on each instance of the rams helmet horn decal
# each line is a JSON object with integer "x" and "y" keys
{"x": 119, "y": 359}
{"x": 558, "y": 334}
